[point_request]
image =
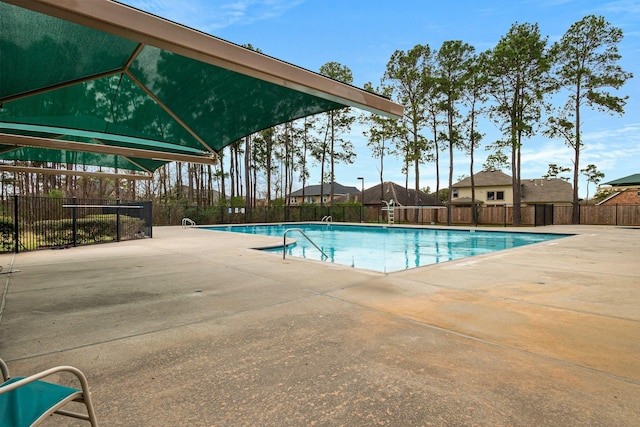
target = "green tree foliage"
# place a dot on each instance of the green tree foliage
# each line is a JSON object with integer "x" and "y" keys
{"x": 452, "y": 74}
{"x": 496, "y": 161}
{"x": 308, "y": 140}
{"x": 443, "y": 92}
{"x": 381, "y": 130}
{"x": 555, "y": 171}
{"x": 264, "y": 143}
{"x": 586, "y": 66}
{"x": 289, "y": 146}
{"x": 602, "y": 194}
{"x": 593, "y": 175}
{"x": 433, "y": 106}
{"x": 406, "y": 73}
{"x": 518, "y": 69}
{"x": 473, "y": 98}
{"x": 337, "y": 124}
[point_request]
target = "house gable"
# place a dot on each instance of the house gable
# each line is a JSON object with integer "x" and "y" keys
{"x": 485, "y": 178}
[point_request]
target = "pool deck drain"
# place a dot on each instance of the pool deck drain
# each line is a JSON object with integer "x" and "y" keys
{"x": 194, "y": 329}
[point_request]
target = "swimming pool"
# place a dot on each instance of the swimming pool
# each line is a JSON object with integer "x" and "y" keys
{"x": 388, "y": 249}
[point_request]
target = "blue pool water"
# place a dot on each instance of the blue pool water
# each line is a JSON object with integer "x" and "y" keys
{"x": 388, "y": 249}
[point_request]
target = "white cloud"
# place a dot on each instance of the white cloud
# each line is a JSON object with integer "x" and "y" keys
{"x": 211, "y": 16}
{"x": 627, "y": 133}
{"x": 621, "y": 6}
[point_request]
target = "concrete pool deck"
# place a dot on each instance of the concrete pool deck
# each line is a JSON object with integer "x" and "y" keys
{"x": 205, "y": 331}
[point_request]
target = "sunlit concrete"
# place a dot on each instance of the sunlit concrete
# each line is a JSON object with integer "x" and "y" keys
{"x": 194, "y": 327}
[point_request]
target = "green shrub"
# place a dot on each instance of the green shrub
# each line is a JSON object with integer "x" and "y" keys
{"x": 90, "y": 229}
{"x": 54, "y": 232}
{"x": 130, "y": 227}
{"x": 6, "y": 232}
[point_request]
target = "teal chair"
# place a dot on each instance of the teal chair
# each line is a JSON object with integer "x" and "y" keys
{"x": 27, "y": 401}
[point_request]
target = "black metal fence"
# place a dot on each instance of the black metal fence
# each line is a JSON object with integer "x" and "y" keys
{"x": 29, "y": 223}
{"x": 172, "y": 214}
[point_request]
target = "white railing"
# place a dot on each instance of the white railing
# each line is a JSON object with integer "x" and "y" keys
{"x": 188, "y": 223}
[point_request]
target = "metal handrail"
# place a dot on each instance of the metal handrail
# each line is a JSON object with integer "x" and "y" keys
{"x": 327, "y": 219}
{"x": 284, "y": 242}
{"x": 187, "y": 222}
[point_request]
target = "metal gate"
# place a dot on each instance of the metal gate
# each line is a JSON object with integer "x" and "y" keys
{"x": 543, "y": 215}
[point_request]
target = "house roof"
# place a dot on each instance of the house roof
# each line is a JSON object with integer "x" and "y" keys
{"x": 546, "y": 190}
{"x": 485, "y": 178}
{"x": 626, "y": 181}
{"x": 400, "y": 195}
{"x": 464, "y": 201}
{"x": 315, "y": 190}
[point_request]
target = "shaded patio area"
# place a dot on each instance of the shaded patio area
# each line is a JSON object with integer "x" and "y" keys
{"x": 205, "y": 331}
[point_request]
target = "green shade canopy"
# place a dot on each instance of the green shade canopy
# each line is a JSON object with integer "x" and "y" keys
{"x": 83, "y": 82}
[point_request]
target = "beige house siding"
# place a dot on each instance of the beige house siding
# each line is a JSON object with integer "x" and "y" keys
{"x": 483, "y": 194}
{"x": 297, "y": 200}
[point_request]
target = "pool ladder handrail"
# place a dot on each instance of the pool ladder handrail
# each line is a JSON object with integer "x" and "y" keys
{"x": 284, "y": 242}
{"x": 187, "y": 222}
{"x": 327, "y": 219}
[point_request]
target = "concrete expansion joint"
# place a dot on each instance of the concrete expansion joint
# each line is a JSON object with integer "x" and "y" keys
{"x": 5, "y": 290}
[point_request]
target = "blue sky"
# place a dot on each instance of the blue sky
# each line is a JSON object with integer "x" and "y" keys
{"x": 362, "y": 35}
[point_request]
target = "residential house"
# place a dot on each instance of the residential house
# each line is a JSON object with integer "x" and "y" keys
{"x": 626, "y": 191}
{"x": 400, "y": 195}
{"x": 495, "y": 188}
{"x": 321, "y": 194}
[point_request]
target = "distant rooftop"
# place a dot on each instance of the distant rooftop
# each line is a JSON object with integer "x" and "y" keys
{"x": 316, "y": 190}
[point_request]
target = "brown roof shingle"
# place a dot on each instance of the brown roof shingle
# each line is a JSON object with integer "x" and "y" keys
{"x": 552, "y": 190}
{"x": 399, "y": 194}
{"x": 485, "y": 179}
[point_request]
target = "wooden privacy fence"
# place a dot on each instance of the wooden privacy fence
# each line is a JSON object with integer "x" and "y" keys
{"x": 627, "y": 215}
{"x": 621, "y": 215}
{"x": 28, "y": 223}
{"x": 532, "y": 215}
{"x": 487, "y": 215}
